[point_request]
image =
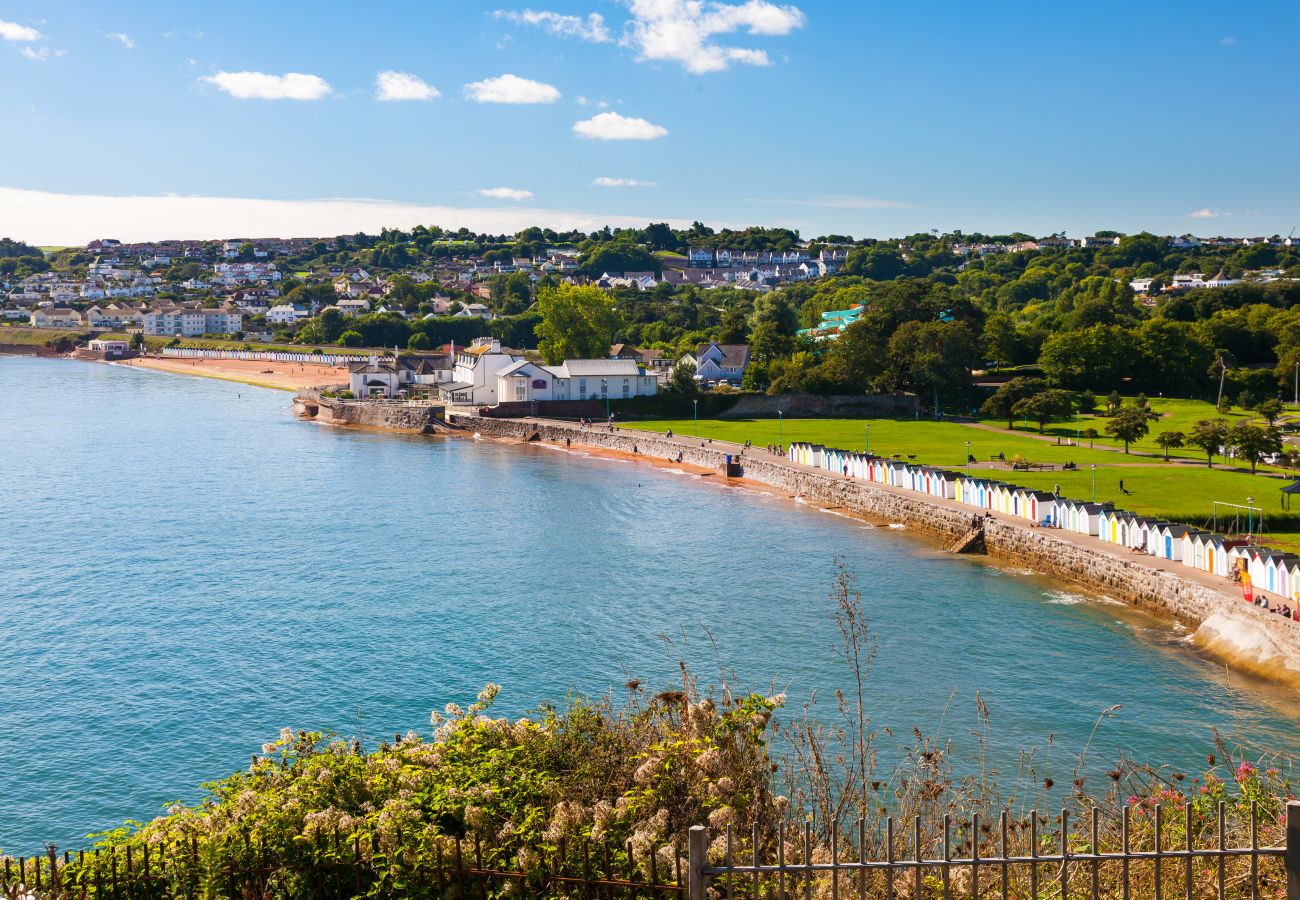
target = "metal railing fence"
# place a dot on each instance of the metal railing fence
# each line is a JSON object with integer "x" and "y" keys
{"x": 1076, "y": 867}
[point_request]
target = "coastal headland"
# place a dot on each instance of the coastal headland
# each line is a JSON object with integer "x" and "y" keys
{"x": 1214, "y": 614}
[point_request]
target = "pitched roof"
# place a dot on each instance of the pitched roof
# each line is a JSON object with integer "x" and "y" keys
{"x": 587, "y": 368}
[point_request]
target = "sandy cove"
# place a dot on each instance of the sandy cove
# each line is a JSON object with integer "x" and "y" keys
{"x": 281, "y": 376}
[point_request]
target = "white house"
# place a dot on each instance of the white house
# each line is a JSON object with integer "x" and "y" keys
{"x": 391, "y": 375}
{"x": 55, "y": 317}
{"x": 474, "y": 378}
{"x": 575, "y": 379}
{"x": 108, "y": 348}
{"x": 287, "y": 314}
{"x": 716, "y": 362}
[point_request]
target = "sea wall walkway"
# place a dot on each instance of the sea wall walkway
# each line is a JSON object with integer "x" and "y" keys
{"x": 1218, "y": 618}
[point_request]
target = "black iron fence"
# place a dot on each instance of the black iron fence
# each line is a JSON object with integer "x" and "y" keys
{"x": 1171, "y": 859}
{"x": 1143, "y": 852}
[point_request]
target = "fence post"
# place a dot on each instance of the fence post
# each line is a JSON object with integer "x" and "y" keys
{"x": 1293, "y": 850}
{"x": 696, "y": 852}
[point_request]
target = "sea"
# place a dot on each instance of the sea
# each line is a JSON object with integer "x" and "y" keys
{"x": 186, "y": 568}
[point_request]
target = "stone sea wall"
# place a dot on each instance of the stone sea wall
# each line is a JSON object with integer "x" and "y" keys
{"x": 1245, "y": 635}
{"x": 414, "y": 419}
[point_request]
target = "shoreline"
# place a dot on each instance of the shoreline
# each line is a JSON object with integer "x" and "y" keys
{"x": 1216, "y": 620}
{"x": 276, "y": 376}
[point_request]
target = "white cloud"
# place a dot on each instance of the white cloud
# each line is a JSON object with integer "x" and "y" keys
{"x": 511, "y": 89}
{"x": 682, "y": 31}
{"x": 621, "y": 182}
{"x": 12, "y": 31}
{"x": 71, "y": 219}
{"x": 1228, "y": 40}
{"x": 394, "y": 86}
{"x": 122, "y": 38}
{"x": 590, "y": 29}
{"x": 610, "y": 126}
{"x": 504, "y": 193}
{"x": 1203, "y": 213}
{"x": 39, "y": 54}
{"x": 261, "y": 86}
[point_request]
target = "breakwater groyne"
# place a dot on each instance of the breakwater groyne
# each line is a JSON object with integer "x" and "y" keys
{"x": 393, "y": 415}
{"x": 1216, "y": 616}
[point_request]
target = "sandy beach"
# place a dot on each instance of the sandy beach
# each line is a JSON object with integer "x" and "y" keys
{"x": 278, "y": 375}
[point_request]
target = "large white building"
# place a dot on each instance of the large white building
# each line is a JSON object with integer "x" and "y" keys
{"x": 474, "y": 378}
{"x": 188, "y": 322}
{"x": 575, "y": 379}
{"x": 387, "y": 377}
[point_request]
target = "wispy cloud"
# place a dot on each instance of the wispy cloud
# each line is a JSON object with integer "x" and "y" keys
{"x": 590, "y": 29}
{"x": 122, "y": 38}
{"x": 511, "y": 89}
{"x": 49, "y": 218}
{"x": 685, "y": 32}
{"x": 504, "y": 193}
{"x": 1203, "y": 213}
{"x": 610, "y": 126}
{"x": 621, "y": 182}
{"x": 261, "y": 86}
{"x": 1228, "y": 40}
{"x": 393, "y": 86}
{"x": 37, "y": 54}
{"x": 12, "y": 31}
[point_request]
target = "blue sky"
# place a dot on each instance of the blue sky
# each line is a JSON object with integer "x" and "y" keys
{"x": 151, "y": 119}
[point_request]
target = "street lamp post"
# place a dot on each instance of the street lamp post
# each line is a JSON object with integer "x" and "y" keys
{"x": 780, "y": 441}
{"x": 604, "y": 390}
{"x": 696, "y": 404}
{"x": 866, "y": 440}
{"x": 1094, "y": 482}
{"x": 1250, "y": 516}
{"x": 966, "y": 461}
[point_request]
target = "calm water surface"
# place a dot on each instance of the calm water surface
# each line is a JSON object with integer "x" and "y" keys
{"x": 185, "y": 569}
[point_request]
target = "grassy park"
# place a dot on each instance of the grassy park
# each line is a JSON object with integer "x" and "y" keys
{"x": 1177, "y": 490}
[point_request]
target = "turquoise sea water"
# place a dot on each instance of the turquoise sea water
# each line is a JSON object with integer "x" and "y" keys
{"x": 185, "y": 568}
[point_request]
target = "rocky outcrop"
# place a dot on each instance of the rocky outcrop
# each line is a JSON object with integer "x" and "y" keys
{"x": 1248, "y": 636}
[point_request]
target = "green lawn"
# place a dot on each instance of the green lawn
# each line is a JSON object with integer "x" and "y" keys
{"x": 1180, "y": 492}
{"x": 936, "y": 443}
{"x": 1175, "y": 415}
{"x": 17, "y": 334}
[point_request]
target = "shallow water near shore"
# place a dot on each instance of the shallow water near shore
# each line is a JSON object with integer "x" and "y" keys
{"x": 185, "y": 568}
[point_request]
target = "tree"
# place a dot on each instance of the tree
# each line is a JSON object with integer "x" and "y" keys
{"x": 1091, "y": 434}
{"x": 1170, "y": 440}
{"x": 352, "y": 338}
{"x": 1113, "y": 403}
{"x": 1132, "y": 423}
{"x": 1246, "y": 400}
{"x": 773, "y": 325}
{"x": 756, "y": 377}
{"x": 1252, "y": 442}
{"x": 418, "y": 341}
{"x": 682, "y": 381}
{"x": 1270, "y": 409}
{"x": 932, "y": 356}
{"x": 1209, "y": 435}
{"x": 1045, "y": 406}
{"x": 137, "y": 341}
{"x": 1087, "y": 402}
{"x": 576, "y": 323}
{"x": 1002, "y": 403}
